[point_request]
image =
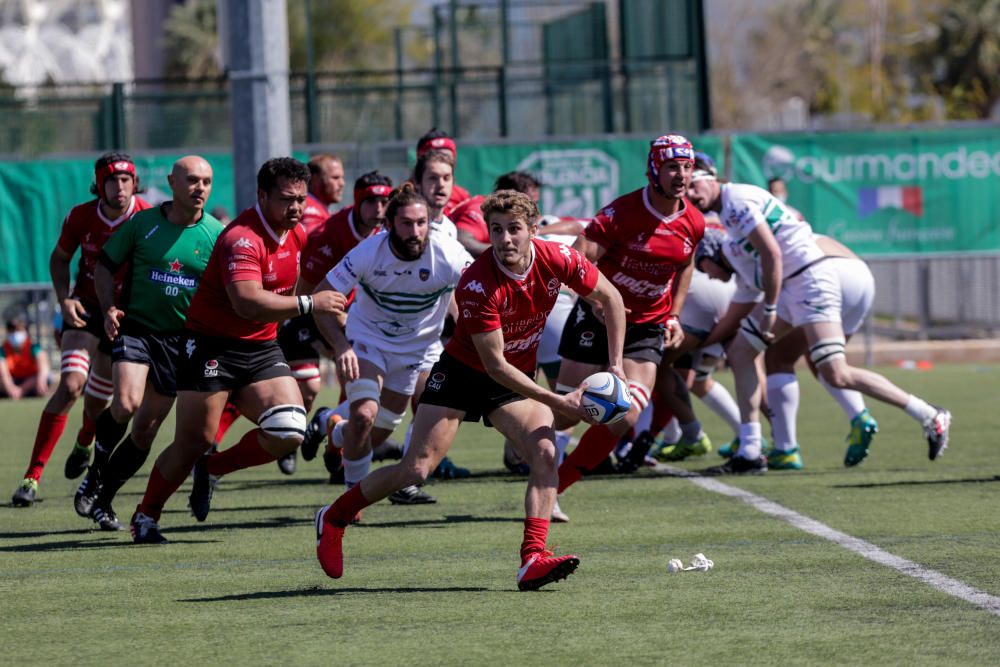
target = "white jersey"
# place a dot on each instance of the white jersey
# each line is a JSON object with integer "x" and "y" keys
{"x": 400, "y": 305}
{"x": 443, "y": 226}
{"x": 744, "y": 207}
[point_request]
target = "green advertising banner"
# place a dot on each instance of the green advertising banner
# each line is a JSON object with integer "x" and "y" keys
{"x": 36, "y": 196}
{"x": 578, "y": 178}
{"x": 886, "y": 193}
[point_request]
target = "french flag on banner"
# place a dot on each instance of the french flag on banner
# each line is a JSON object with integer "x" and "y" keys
{"x": 908, "y": 198}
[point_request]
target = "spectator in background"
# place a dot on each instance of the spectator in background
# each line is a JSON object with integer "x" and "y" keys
{"x": 25, "y": 371}
{"x": 222, "y": 215}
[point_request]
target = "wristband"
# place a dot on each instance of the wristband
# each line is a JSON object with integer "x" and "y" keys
{"x": 673, "y": 318}
{"x": 770, "y": 308}
{"x": 305, "y": 304}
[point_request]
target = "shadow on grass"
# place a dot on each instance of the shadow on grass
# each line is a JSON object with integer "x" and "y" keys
{"x": 445, "y": 520}
{"x": 76, "y": 545}
{"x": 317, "y": 592}
{"x": 878, "y": 485}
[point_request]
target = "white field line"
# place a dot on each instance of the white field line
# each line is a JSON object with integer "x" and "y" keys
{"x": 943, "y": 583}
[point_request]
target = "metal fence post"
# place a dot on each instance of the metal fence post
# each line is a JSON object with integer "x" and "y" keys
{"x": 117, "y": 116}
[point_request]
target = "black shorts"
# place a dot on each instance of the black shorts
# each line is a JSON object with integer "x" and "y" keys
{"x": 160, "y": 351}
{"x": 94, "y": 325}
{"x": 585, "y": 338}
{"x": 211, "y": 364}
{"x": 296, "y": 338}
{"x": 452, "y": 384}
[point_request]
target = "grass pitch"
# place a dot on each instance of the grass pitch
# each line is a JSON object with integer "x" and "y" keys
{"x": 435, "y": 584}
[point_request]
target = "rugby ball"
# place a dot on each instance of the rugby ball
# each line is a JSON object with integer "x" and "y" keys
{"x": 606, "y": 398}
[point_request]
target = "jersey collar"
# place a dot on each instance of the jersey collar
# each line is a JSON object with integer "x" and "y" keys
{"x": 120, "y": 219}
{"x": 280, "y": 240}
{"x": 665, "y": 220}
{"x": 520, "y": 277}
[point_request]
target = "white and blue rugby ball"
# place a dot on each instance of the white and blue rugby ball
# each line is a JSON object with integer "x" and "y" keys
{"x": 606, "y": 398}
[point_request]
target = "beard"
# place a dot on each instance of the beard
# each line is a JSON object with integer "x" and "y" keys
{"x": 409, "y": 249}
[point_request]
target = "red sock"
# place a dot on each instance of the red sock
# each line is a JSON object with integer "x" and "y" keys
{"x": 662, "y": 414}
{"x": 536, "y": 530}
{"x": 85, "y": 436}
{"x": 346, "y": 507}
{"x": 595, "y": 446}
{"x": 50, "y": 428}
{"x": 229, "y": 415}
{"x": 246, "y": 453}
{"x": 158, "y": 492}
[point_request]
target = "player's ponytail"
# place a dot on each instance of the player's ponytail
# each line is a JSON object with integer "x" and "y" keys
{"x": 405, "y": 195}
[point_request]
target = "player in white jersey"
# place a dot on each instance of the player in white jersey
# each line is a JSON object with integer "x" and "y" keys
{"x": 776, "y": 254}
{"x": 404, "y": 282}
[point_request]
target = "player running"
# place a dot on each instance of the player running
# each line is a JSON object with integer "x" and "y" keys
{"x": 230, "y": 351}
{"x": 165, "y": 250}
{"x": 774, "y": 252}
{"x": 643, "y": 242}
{"x": 486, "y": 373}
{"x": 405, "y": 280}
{"x": 87, "y": 227}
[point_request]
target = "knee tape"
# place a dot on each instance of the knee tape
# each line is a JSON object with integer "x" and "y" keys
{"x": 387, "y": 420}
{"x": 75, "y": 361}
{"x": 99, "y": 387}
{"x": 640, "y": 394}
{"x": 826, "y": 350}
{"x": 362, "y": 388}
{"x": 705, "y": 367}
{"x": 284, "y": 421}
{"x": 751, "y": 331}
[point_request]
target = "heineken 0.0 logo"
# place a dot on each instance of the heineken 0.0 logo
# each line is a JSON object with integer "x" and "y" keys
{"x": 576, "y": 182}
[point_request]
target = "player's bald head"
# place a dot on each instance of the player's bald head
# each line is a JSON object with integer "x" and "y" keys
{"x": 191, "y": 164}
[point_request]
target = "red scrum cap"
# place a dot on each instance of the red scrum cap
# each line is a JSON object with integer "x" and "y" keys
{"x": 106, "y": 171}
{"x": 367, "y": 192}
{"x": 667, "y": 147}
{"x": 437, "y": 144}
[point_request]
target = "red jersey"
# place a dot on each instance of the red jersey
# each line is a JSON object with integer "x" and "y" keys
{"x": 315, "y": 213}
{"x": 458, "y": 196}
{"x": 328, "y": 243}
{"x": 468, "y": 217}
{"x": 645, "y": 251}
{"x": 87, "y": 228}
{"x": 247, "y": 249}
{"x": 490, "y": 297}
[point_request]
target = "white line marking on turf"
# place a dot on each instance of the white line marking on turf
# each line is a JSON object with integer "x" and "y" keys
{"x": 942, "y": 582}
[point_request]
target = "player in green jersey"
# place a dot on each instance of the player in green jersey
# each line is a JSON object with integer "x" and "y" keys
{"x": 167, "y": 248}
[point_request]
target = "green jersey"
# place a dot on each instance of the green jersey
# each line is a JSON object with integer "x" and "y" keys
{"x": 166, "y": 260}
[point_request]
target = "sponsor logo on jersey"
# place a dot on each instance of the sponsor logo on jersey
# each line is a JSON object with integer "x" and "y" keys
{"x": 523, "y": 344}
{"x": 176, "y": 266}
{"x": 189, "y": 347}
{"x": 326, "y": 250}
{"x": 424, "y": 274}
{"x": 181, "y": 280}
{"x": 150, "y": 232}
{"x": 576, "y": 180}
{"x": 639, "y": 287}
{"x": 476, "y": 286}
{"x": 243, "y": 242}
{"x": 553, "y": 286}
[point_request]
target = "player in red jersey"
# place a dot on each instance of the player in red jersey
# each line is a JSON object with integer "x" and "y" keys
{"x": 486, "y": 373}
{"x": 230, "y": 348}
{"x": 436, "y": 140}
{"x": 86, "y": 227}
{"x": 326, "y": 189}
{"x": 644, "y": 243}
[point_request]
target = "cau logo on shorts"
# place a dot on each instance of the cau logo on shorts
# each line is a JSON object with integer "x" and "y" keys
{"x": 436, "y": 381}
{"x": 587, "y": 339}
{"x": 211, "y": 368}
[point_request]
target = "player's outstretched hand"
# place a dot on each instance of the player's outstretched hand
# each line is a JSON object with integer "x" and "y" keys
{"x": 673, "y": 333}
{"x": 329, "y": 301}
{"x": 347, "y": 367}
{"x": 113, "y": 321}
{"x": 571, "y": 405}
{"x": 73, "y": 313}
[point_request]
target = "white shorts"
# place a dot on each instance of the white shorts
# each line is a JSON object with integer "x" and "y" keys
{"x": 548, "y": 346}
{"x": 834, "y": 290}
{"x": 857, "y": 292}
{"x": 399, "y": 369}
{"x": 706, "y": 302}
{"x": 811, "y": 296}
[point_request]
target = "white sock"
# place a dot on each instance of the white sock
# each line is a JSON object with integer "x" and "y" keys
{"x": 783, "y": 401}
{"x": 919, "y": 409}
{"x": 406, "y": 438}
{"x": 749, "y": 441}
{"x": 645, "y": 419}
{"x": 851, "y": 402}
{"x": 355, "y": 471}
{"x": 671, "y": 433}
{"x": 562, "y": 442}
{"x": 720, "y": 401}
{"x": 343, "y": 410}
{"x": 337, "y": 435}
